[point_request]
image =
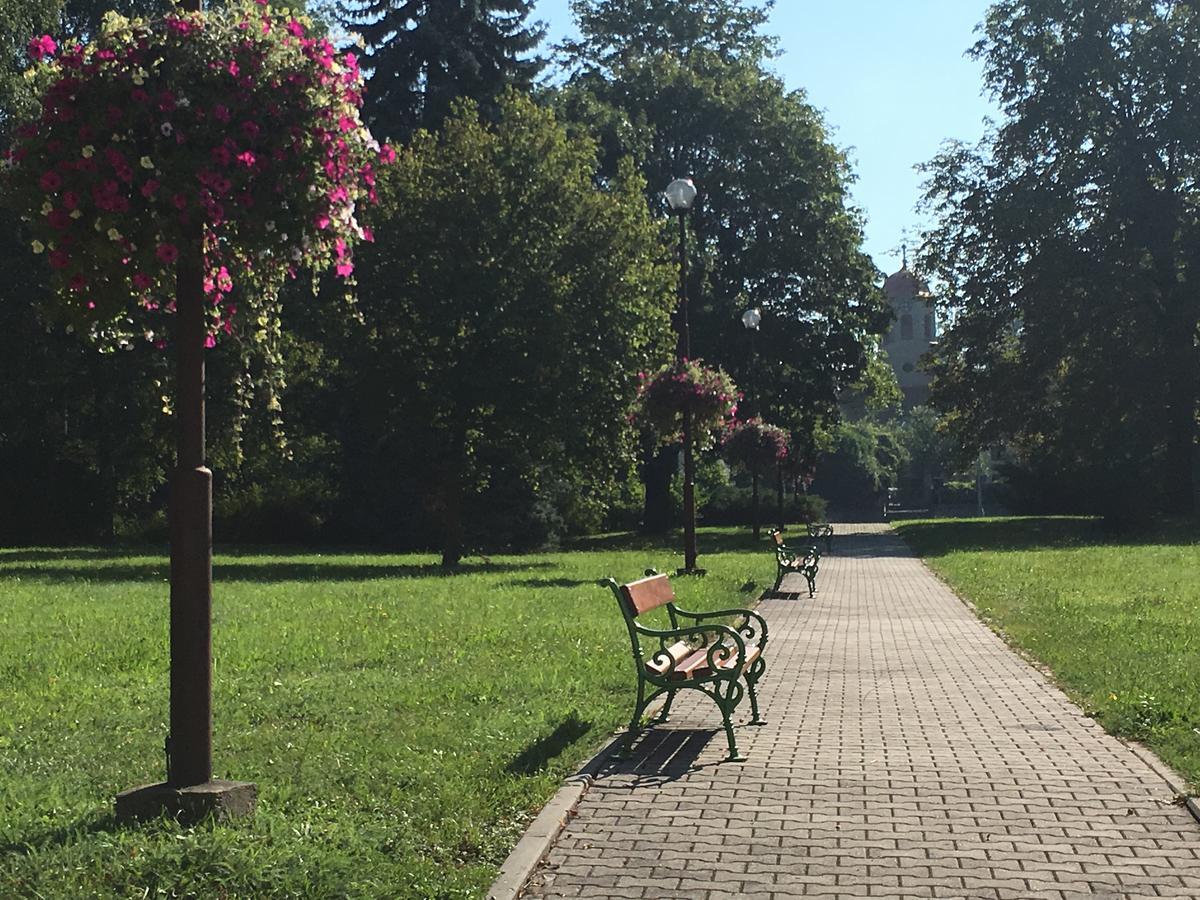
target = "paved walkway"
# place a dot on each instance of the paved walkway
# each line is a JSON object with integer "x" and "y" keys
{"x": 908, "y": 753}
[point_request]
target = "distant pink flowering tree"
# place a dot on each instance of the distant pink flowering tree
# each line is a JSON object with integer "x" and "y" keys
{"x": 755, "y": 446}
{"x": 234, "y": 128}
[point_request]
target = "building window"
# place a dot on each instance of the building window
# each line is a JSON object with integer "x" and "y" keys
{"x": 906, "y": 327}
{"x": 929, "y": 328}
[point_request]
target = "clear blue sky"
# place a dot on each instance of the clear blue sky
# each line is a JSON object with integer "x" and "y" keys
{"x": 893, "y": 83}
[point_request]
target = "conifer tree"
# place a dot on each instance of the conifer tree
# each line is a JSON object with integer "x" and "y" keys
{"x": 423, "y": 54}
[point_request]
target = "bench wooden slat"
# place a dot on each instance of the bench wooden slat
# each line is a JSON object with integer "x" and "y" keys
{"x": 696, "y": 665}
{"x": 677, "y": 651}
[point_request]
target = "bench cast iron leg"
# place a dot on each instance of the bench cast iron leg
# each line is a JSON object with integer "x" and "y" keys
{"x": 754, "y": 673}
{"x": 727, "y": 702}
{"x": 666, "y": 710}
{"x": 635, "y": 723}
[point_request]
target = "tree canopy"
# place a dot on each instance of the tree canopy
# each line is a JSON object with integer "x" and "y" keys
{"x": 508, "y": 307}
{"x": 1067, "y": 244}
{"x": 424, "y": 54}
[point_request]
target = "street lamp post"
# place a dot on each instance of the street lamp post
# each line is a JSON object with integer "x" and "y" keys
{"x": 681, "y": 194}
{"x": 751, "y": 319}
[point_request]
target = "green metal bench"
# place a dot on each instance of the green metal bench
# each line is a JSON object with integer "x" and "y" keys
{"x": 700, "y": 654}
{"x": 807, "y": 562}
{"x": 822, "y": 530}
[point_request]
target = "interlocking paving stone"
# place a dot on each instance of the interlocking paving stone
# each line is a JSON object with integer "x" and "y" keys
{"x": 908, "y": 753}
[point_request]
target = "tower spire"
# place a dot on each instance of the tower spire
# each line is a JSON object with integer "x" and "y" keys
{"x": 904, "y": 256}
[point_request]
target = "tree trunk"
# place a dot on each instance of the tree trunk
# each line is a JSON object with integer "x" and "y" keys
{"x": 1179, "y": 487}
{"x": 754, "y": 501}
{"x": 657, "y": 471}
{"x": 779, "y": 488}
{"x": 453, "y": 502}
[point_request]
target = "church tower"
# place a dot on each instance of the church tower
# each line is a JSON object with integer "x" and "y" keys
{"x": 912, "y": 334}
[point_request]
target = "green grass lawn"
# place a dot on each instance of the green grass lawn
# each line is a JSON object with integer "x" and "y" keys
{"x": 403, "y": 725}
{"x": 1116, "y": 619}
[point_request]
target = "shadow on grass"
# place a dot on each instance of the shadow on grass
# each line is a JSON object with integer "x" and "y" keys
{"x": 942, "y": 537}
{"x": 550, "y": 582}
{"x": 260, "y": 572}
{"x": 537, "y": 755}
{"x": 724, "y": 541}
{"x": 62, "y": 836}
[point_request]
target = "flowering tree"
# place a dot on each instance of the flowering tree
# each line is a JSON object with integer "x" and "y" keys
{"x": 234, "y": 131}
{"x": 687, "y": 386}
{"x": 755, "y": 445}
{"x": 178, "y": 169}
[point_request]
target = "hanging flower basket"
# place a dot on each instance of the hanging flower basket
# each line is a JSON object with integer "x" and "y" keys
{"x": 710, "y": 394}
{"x": 234, "y": 128}
{"x": 755, "y": 445}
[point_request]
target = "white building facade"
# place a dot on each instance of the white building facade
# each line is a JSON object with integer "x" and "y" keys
{"x": 912, "y": 333}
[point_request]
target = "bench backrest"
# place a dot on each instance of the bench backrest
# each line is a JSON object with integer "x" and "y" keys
{"x": 646, "y": 594}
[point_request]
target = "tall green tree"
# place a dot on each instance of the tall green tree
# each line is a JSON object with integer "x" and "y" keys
{"x": 508, "y": 308}
{"x": 684, "y": 88}
{"x": 1068, "y": 242}
{"x": 424, "y": 54}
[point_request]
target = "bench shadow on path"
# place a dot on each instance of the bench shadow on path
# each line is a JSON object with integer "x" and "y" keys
{"x": 661, "y": 755}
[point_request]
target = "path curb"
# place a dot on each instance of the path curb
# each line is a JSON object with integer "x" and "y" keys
{"x": 541, "y": 834}
{"x": 1167, "y": 774}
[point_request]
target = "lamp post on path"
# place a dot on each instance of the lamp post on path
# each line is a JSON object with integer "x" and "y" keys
{"x": 681, "y": 194}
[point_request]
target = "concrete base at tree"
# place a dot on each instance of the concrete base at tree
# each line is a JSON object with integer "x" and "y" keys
{"x": 222, "y": 800}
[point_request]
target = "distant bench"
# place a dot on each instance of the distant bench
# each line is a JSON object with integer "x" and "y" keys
{"x": 702, "y": 654}
{"x": 805, "y": 561}
{"x": 822, "y": 530}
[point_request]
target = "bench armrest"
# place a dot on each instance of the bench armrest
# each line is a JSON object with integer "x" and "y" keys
{"x": 718, "y": 651}
{"x": 743, "y": 627}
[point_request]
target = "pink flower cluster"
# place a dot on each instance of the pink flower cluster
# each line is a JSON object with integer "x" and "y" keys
{"x": 754, "y": 444}
{"x": 234, "y": 132}
{"x": 709, "y": 394}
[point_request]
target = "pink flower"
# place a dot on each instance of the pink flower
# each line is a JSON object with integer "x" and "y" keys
{"x": 142, "y": 281}
{"x": 232, "y": 68}
{"x": 246, "y": 158}
{"x": 321, "y": 221}
{"x": 368, "y": 234}
{"x": 179, "y": 201}
{"x": 179, "y": 26}
{"x": 387, "y": 154}
{"x": 77, "y": 283}
{"x": 149, "y": 188}
{"x": 344, "y": 269}
{"x": 167, "y": 253}
{"x": 295, "y": 29}
{"x": 210, "y": 342}
{"x": 59, "y": 258}
{"x": 70, "y": 200}
{"x": 40, "y": 48}
{"x": 59, "y": 219}
{"x": 221, "y": 113}
{"x": 250, "y": 129}
{"x": 50, "y": 181}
